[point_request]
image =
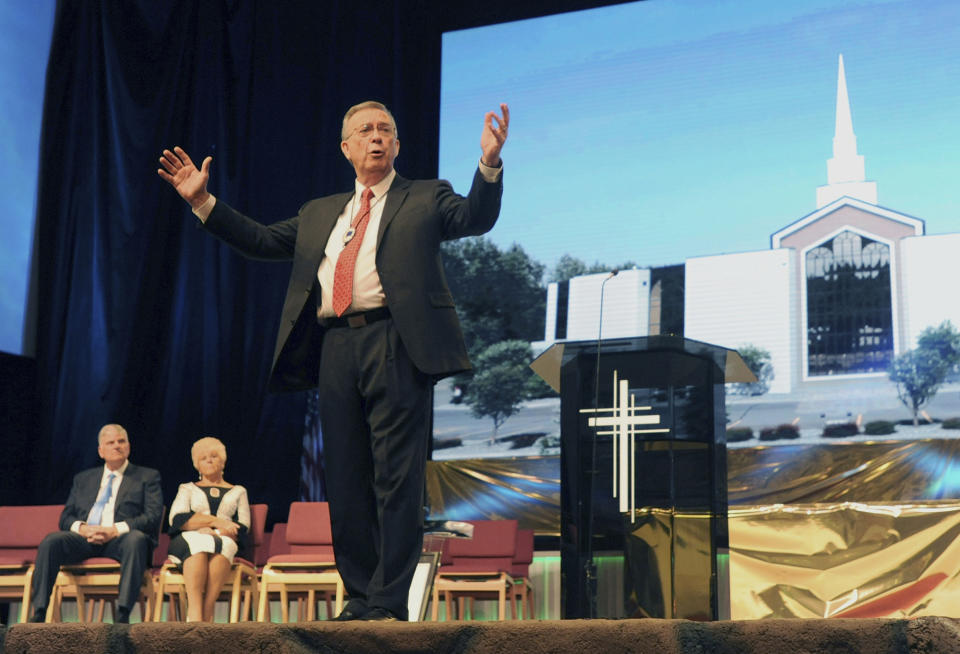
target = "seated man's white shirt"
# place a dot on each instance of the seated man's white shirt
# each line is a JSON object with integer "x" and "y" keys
{"x": 106, "y": 518}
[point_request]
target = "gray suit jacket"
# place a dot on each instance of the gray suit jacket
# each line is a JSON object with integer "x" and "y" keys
{"x": 417, "y": 217}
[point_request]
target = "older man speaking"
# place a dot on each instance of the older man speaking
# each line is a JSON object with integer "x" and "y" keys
{"x": 369, "y": 319}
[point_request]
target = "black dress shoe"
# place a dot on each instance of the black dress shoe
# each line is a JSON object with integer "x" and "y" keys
{"x": 352, "y": 611}
{"x": 380, "y": 614}
{"x": 40, "y": 615}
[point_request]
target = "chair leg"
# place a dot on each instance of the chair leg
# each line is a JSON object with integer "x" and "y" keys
{"x": 235, "y": 596}
{"x": 263, "y": 610}
{"x": 339, "y": 599}
{"x": 27, "y": 588}
{"x": 158, "y": 600}
{"x": 53, "y": 606}
{"x": 284, "y": 604}
{"x": 82, "y": 605}
{"x": 181, "y": 603}
{"x": 246, "y": 608}
{"x": 518, "y": 601}
{"x": 451, "y": 606}
{"x": 254, "y": 596}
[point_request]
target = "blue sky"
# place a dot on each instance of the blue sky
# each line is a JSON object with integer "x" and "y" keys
{"x": 661, "y": 130}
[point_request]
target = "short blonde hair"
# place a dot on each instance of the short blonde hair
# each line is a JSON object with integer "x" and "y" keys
{"x": 369, "y": 104}
{"x": 205, "y": 443}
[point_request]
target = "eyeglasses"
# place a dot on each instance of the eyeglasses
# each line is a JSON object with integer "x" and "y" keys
{"x": 366, "y": 130}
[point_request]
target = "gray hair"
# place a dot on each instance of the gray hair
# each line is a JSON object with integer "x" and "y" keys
{"x": 111, "y": 427}
{"x": 369, "y": 104}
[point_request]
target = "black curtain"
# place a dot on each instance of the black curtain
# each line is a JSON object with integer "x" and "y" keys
{"x": 144, "y": 320}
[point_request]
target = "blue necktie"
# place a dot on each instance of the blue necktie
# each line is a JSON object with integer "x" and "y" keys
{"x": 97, "y": 512}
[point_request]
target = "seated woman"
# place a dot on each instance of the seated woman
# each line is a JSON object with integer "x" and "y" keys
{"x": 209, "y": 522}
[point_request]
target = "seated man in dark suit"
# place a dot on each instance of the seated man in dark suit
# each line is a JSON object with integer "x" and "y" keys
{"x": 113, "y": 511}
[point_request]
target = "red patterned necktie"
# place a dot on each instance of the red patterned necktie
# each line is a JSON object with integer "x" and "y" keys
{"x": 347, "y": 261}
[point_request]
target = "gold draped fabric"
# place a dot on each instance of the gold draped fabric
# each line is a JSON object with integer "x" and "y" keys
{"x": 528, "y": 488}
{"x": 853, "y": 560}
{"x": 861, "y": 529}
{"x": 524, "y": 488}
{"x": 845, "y": 530}
{"x": 879, "y": 471}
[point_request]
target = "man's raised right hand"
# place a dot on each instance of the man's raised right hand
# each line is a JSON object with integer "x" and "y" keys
{"x": 189, "y": 181}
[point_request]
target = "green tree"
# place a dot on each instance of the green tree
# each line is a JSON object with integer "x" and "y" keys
{"x": 761, "y": 364}
{"x": 568, "y": 267}
{"x": 944, "y": 340}
{"x": 918, "y": 374}
{"x": 499, "y": 382}
{"x": 499, "y": 293}
{"x": 536, "y": 388}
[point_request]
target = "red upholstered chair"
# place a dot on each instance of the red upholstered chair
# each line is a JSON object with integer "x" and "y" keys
{"x": 278, "y": 541}
{"x": 242, "y": 586}
{"x": 477, "y": 568}
{"x": 262, "y": 551}
{"x": 307, "y": 568}
{"x": 160, "y": 551}
{"x": 22, "y": 528}
{"x": 522, "y": 590}
{"x": 158, "y": 559}
{"x": 278, "y": 545}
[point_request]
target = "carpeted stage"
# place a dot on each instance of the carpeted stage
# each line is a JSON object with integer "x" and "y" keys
{"x": 773, "y": 636}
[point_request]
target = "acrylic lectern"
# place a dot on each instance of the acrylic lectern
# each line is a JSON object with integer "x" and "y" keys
{"x": 643, "y": 472}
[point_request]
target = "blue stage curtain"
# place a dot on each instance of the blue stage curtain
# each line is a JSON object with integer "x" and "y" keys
{"x": 142, "y": 318}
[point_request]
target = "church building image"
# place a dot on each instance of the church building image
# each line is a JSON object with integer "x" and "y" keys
{"x": 840, "y": 292}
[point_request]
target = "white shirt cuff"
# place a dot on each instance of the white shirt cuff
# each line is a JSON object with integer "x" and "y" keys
{"x": 203, "y": 211}
{"x": 75, "y": 527}
{"x": 489, "y": 174}
{"x": 122, "y": 528}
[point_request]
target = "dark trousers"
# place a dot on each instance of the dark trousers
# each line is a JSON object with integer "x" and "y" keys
{"x": 374, "y": 415}
{"x": 65, "y": 547}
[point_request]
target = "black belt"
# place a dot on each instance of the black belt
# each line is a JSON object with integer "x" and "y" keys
{"x": 359, "y": 319}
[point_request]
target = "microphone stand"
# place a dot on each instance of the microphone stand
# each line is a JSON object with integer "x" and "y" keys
{"x": 590, "y": 566}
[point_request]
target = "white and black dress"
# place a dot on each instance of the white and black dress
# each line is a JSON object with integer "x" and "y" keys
{"x": 222, "y": 501}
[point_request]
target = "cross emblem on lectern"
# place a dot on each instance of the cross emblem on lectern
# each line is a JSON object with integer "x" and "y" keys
{"x": 624, "y": 421}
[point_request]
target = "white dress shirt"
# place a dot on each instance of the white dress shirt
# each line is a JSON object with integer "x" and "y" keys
{"x": 367, "y": 290}
{"x": 106, "y": 518}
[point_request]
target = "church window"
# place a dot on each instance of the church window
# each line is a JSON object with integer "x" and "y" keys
{"x": 849, "y": 309}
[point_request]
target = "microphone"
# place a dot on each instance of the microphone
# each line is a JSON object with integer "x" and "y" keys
{"x": 590, "y": 566}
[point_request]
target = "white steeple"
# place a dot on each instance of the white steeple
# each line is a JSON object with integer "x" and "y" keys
{"x": 845, "y": 171}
